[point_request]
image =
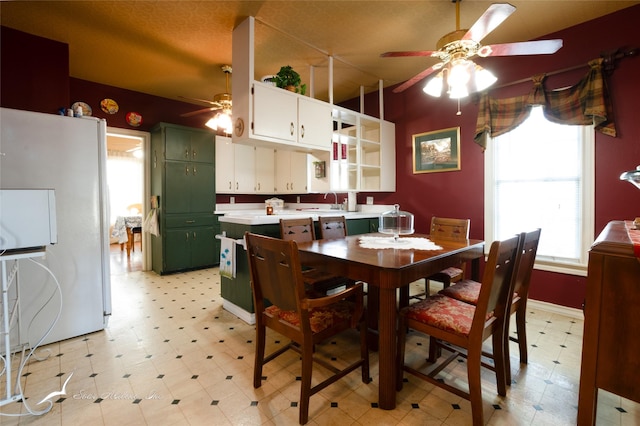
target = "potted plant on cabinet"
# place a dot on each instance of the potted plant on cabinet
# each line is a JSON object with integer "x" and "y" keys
{"x": 287, "y": 78}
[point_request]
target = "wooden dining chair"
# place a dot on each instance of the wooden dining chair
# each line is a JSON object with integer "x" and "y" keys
{"x": 303, "y": 230}
{"x": 469, "y": 291}
{"x": 332, "y": 227}
{"x": 450, "y": 321}
{"x": 282, "y": 304}
{"x": 441, "y": 229}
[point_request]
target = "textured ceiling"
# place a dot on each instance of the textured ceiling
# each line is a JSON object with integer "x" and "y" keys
{"x": 176, "y": 48}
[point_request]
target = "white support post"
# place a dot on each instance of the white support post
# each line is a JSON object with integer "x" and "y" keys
{"x": 331, "y": 80}
{"x": 312, "y": 79}
{"x": 381, "y": 98}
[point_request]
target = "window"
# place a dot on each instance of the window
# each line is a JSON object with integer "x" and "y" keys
{"x": 541, "y": 175}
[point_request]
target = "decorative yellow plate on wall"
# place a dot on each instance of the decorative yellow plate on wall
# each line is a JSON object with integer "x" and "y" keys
{"x": 109, "y": 106}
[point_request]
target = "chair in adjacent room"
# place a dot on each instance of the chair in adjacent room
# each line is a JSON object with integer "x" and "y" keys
{"x": 442, "y": 229}
{"x": 135, "y": 210}
{"x": 462, "y": 328}
{"x": 303, "y": 230}
{"x": 332, "y": 227}
{"x": 469, "y": 291}
{"x": 282, "y": 304}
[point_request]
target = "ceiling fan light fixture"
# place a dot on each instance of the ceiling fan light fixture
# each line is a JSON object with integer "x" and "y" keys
{"x": 434, "y": 85}
{"x": 221, "y": 121}
{"x": 484, "y": 78}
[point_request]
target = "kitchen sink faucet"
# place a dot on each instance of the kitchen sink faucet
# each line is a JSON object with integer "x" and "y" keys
{"x": 335, "y": 206}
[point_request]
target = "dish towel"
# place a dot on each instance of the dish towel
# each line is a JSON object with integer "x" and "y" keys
{"x": 227, "y": 257}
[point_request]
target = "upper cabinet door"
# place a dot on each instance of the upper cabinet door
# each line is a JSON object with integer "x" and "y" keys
{"x": 314, "y": 123}
{"x": 225, "y": 165}
{"x": 275, "y": 113}
{"x": 177, "y": 143}
{"x": 202, "y": 147}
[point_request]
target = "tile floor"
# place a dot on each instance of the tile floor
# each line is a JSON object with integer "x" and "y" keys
{"x": 172, "y": 356}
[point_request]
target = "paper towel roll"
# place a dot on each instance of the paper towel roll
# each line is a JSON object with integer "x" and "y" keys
{"x": 351, "y": 201}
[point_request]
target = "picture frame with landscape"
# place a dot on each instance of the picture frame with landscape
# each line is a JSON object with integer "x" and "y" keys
{"x": 436, "y": 151}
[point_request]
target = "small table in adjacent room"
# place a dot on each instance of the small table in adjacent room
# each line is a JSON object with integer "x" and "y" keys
{"x": 124, "y": 230}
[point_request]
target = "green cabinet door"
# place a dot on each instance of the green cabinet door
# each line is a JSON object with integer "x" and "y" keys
{"x": 177, "y": 143}
{"x": 202, "y": 147}
{"x": 177, "y": 189}
{"x": 202, "y": 188}
{"x": 362, "y": 226}
{"x": 177, "y": 252}
{"x": 189, "y": 187}
{"x": 203, "y": 243}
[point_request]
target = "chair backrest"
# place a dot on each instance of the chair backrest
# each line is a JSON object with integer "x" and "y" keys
{"x": 332, "y": 226}
{"x": 496, "y": 291}
{"x": 449, "y": 229}
{"x": 134, "y": 209}
{"x": 522, "y": 277}
{"x": 299, "y": 230}
{"x": 276, "y": 275}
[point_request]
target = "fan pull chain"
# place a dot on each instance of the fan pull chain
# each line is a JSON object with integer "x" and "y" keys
{"x": 459, "y": 112}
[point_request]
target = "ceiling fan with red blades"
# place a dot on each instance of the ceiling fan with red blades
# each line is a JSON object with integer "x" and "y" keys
{"x": 221, "y": 101}
{"x": 462, "y": 44}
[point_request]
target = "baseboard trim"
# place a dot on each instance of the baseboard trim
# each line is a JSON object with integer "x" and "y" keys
{"x": 248, "y": 317}
{"x": 556, "y": 309}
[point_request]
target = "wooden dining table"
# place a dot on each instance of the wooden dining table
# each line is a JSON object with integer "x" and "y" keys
{"x": 386, "y": 270}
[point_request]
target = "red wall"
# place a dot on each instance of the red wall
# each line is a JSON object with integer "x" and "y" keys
{"x": 461, "y": 193}
{"x": 35, "y": 77}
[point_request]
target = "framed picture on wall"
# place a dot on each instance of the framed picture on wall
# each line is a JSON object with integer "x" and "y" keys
{"x": 437, "y": 151}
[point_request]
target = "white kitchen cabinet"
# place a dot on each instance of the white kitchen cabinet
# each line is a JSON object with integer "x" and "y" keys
{"x": 275, "y": 113}
{"x": 291, "y": 172}
{"x": 363, "y": 153}
{"x": 265, "y": 170}
{"x": 314, "y": 123}
{"x": 291, "y": 119}
{"x": 225, "y": 166}
{"x": 243, "y": 169}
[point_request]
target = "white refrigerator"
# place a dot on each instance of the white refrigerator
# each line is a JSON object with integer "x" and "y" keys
{"x": 67, "y": 154}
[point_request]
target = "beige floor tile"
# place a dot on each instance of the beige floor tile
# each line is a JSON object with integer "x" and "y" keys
{"x": 172, "y": 356}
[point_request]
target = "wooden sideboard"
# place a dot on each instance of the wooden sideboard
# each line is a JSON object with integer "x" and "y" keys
{"x": 611, "y": 348}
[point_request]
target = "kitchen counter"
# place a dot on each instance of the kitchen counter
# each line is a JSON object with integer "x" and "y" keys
{"x": 255, "y": 216}
{"x": 237, "y": 219}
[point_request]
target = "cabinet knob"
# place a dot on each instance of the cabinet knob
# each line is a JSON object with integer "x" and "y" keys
{"x": 302, "y": 131}
{"x": 186, "y": 236}
{"x": 195, "y": 171}
{"x": 194, "y": 235}
{"x": 291, "y": 128}
{"x": 186, "y": 154}
{"x": 186, "y": 170}
{"x": 194, "y": 154}
{"x": 230, "y": 185}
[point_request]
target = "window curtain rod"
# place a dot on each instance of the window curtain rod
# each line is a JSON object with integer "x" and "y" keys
{"x": 608, "y": 66}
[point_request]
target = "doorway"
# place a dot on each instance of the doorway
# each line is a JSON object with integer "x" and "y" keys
{"x": 128, "y": 182}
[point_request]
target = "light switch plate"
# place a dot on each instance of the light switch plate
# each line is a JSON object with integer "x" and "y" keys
{"x": 369, "y": 200}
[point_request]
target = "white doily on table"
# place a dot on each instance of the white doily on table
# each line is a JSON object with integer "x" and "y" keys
{"x": 416, "y": 243}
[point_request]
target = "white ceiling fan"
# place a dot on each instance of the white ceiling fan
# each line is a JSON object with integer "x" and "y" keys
{"x": 221, "y": 101}
{"x": 455, "y": 49}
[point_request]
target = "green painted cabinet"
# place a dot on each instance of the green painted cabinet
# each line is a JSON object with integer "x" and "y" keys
{"x": 182, "y": 165}
{"x": 362, "y": 226}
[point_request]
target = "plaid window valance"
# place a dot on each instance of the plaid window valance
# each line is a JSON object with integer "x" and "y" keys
{"x": 585, "y": 103}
